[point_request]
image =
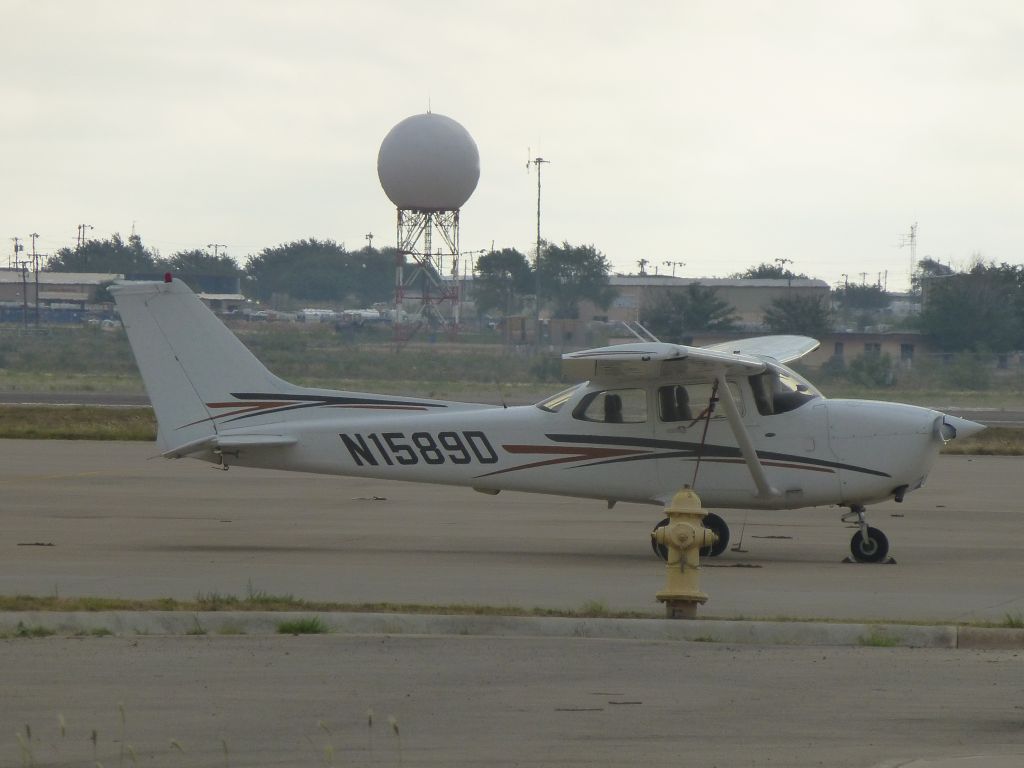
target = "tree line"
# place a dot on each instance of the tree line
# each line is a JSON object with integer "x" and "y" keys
{"x": 980, "y": 309}
{"x": 312, "y": 270}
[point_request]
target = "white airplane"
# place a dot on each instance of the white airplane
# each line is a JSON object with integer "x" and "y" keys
{"x": 645, "y": 423}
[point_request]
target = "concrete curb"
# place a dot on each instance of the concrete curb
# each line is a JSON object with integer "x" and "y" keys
{"x": 711, "y": 631}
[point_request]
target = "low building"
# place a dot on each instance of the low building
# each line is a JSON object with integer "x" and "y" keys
{"x": 56, "y": 289}
{"x": 902, "y": 347}
{"x": 749, "y": 298}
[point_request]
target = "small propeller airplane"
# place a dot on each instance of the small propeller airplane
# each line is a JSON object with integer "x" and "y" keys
{"x": 730, "y": 421}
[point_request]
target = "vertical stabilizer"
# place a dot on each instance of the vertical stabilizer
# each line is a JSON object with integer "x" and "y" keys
{"x": 187, "y": 358}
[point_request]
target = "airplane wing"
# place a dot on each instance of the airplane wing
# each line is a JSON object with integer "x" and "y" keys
{"x": 653, "y": 360}
{"x": 785, "y": 349}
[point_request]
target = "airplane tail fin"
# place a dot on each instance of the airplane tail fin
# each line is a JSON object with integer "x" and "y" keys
{"x": 188, "y": 359}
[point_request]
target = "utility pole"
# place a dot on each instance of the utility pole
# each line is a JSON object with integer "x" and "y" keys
{"x": 537, "y": 161}
{"x": 23, "y": 266}
{"x": 18, "y": 247}
{"x": 674, "y": 264}
{"x": 782, "y": 265}
{"x": 216, "y": 247}
{"x": 81, "y": 233}
{"x": 35, "y": 273}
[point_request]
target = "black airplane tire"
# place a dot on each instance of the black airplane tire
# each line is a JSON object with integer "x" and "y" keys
{"x": 720, "y": 528}
{"x": 660, "y": 550}
{"x": 874, "y": 550}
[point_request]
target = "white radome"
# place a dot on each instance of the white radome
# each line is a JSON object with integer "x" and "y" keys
{"x": 428, "y": 163}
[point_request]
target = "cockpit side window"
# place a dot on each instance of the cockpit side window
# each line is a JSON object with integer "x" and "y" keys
{"x": 779, "y": 391}
{"x": 613, "y": 406}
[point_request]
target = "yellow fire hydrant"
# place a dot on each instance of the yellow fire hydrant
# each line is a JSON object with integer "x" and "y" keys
{"x": 684, "y": 536}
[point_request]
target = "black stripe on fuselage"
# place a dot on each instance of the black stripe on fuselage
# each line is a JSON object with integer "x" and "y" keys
{"x": 334, "y": 399}
{"x": 680, "y": 449}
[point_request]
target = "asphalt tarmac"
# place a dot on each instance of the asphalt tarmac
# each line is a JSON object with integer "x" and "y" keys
{"x": 283, "y": 701}
{"x": 105, "y": 519}
{"x": 108, "y": 519}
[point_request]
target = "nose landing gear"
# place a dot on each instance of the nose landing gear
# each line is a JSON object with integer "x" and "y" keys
{"x": 868, "y": 545}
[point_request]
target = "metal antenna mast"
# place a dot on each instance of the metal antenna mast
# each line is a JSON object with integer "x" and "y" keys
{"x": 909, "y": 240}
{"x": 537, "y": 161}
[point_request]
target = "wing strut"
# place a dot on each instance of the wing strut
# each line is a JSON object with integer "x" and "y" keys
{"x": 757, "y": 473}
{"x": 708, "y": 413}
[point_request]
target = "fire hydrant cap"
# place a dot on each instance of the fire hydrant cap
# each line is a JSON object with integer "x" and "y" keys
{"x": 685, "y": 501}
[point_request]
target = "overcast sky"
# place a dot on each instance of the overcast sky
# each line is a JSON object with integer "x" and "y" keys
{"x": 720, "y": 134}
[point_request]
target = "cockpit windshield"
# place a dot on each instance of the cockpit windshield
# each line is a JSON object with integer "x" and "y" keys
{"x": 554, "y": 403}
{"x": 780, "y": 390}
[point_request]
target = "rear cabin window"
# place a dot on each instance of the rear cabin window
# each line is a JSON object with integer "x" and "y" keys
{"x": 614, "y": 406}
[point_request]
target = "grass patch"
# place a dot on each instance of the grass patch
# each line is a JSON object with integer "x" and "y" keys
{"x": 94, "y": 632}
{"x": 197, "y": 628}
{"x": 74, "y": 422}
{"x": 594, "y": 609}
{"x": 31, "y": 630}
{"x": 994, "y": 441}
{"x": 877, "y": 639}
{"x": 309, "y": 625}
{"x": 263, "y": 601}
{"x": 1013, "y": 621}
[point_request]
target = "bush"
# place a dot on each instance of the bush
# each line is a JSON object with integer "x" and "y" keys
{"x": 872, "y": 370}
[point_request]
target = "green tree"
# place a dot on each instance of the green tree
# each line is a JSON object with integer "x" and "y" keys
{"x": 503, "y": 278}
{"x": 679, "y": 313}
{"x": 570, "y": 274}
{"x": 804, "y": 315}
{"x": 766, "y": 271}
{"x": 113, "y": 256}
{"x": 321, "y": 270}
{"x": 199, "y": 262}
{"x": 862, "y": 298}
{"x": 927, "y": 268}
{"x": 978, "y": 310}
{"x": 373, "y": 275}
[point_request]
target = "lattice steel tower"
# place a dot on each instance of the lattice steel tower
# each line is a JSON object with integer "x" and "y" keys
{"x": 428, "y": 166}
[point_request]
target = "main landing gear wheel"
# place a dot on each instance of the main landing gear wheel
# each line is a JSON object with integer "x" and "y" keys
{"x": 713, "y": 523}
{"x": 873, "y": 549}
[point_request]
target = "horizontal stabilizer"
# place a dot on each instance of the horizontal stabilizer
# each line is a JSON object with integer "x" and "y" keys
{"x": 229, "y": 443}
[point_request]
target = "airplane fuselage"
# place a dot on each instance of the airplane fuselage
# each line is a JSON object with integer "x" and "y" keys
{"x": 815, "y": 454}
